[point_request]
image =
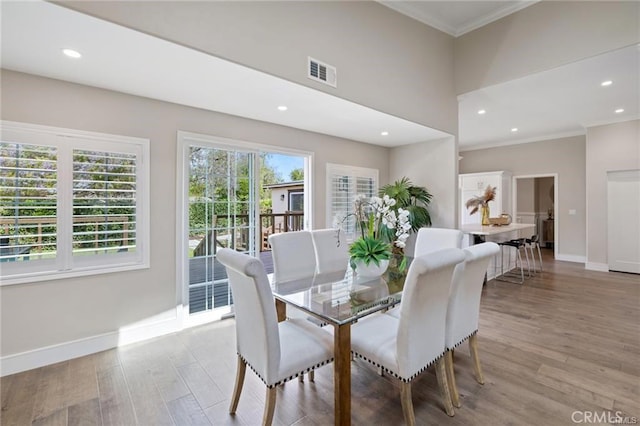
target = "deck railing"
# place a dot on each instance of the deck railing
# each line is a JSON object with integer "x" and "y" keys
{"x": 270, "y": 223}
{"x": 35, "y": 239}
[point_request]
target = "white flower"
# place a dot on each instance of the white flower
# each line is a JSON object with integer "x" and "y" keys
{"x": 338, "y": 219}
{"x": 379, "y": 214}
{"x": 389, "y": 219}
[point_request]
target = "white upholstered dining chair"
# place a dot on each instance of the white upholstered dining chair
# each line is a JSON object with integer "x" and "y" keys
{"x": 464, "y": 309}
{"x": 432, "y": 239}
{"x": 405, "y": 346}
{"x": 293, "y": 255}
{"x": 275, "y": 351}
{"x": 332, "y": 251}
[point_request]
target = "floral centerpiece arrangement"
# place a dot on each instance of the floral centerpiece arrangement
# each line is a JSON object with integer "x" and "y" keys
{"x": 379, "y": 230}
{"x": 481, "y": 202}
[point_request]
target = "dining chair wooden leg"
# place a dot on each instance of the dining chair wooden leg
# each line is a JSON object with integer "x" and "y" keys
{"x": 451, "y": 379}
{"x": 281, "y": 310}
{"x": 441, "y": 375}
{"x": 407, "y": 403}
{"x": 242, "y": 367}
{"x": 473, "y": 347}
{"x": 312, "y": 375}
{"x": 269, "y": 406}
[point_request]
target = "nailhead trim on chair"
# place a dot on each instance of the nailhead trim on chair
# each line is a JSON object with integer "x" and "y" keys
{"x": 394, "y": 374}
{"x": 462, "y": 341}
{"x": 288, "y": 378}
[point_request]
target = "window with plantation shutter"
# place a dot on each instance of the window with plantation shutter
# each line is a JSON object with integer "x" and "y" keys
{"x": 71, "y": 203}
{"x": 28, "y": 200}
{"x": 104, "y": 202}
{"x": 344, "y": 184}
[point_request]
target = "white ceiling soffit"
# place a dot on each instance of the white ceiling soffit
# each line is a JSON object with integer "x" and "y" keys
{"x": 457, "y": 17}
{"x": 559, "y": 102}
{"x": 124, "y": 60}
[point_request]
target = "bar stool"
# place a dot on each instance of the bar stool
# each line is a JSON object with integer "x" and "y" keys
{"x": 534, "y": 242}
{"x": 522, "y": 244}
{"x": 504, "y": 276}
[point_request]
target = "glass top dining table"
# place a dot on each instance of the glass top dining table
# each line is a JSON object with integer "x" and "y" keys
{"x": 343, "y": 297}
{"x": 340, "y": 300}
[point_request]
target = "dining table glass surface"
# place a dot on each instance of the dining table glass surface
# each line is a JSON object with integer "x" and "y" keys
{"x": 341, "y": 298}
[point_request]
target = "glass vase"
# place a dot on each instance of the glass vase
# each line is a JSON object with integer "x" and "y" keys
{"x": 485, "y": 215}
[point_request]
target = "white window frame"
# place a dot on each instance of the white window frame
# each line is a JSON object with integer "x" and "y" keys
{"x": 346, "y": 170}
{"x": 65, "y": 265}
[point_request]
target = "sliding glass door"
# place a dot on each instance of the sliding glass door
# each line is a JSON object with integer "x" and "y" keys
{"x": 221, "y": 213}
{"x": 231, "y": 194}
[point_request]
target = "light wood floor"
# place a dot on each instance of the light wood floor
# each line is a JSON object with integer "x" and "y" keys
{"x": 566, "y": 341}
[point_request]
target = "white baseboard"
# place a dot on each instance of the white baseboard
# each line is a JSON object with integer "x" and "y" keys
{"x": 595, "y": 266}
{"x": 591, "y": 266}
{"x": 571, "y": 258}
{"x": 28, "y": 360}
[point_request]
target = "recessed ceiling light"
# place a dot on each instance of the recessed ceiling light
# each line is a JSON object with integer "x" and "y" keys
{"x": 481, "y": 111}
{"x": 515, "y": 129}
{"x": 606, "y": 83}
{"x": 385, "y": 133}
{"x": 619, "y": 110}
{"x": 72, "y": 53}
{"x": 282, "y": 108}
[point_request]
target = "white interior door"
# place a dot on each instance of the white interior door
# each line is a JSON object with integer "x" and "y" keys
{"x": 623, "y": 189}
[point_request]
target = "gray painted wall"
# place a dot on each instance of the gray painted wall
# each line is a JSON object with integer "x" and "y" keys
{"x": 65, "y": 310}
{"x": 526, "y": 196}
{"x": 544, "y": 199}
{"x": 543, "y": 36}
{"x": 566, "y": 157}
{"x": 385, "y": 60}
{"x": 432, "y": 165}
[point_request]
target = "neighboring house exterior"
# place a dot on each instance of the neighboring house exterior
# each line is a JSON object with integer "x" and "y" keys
{"x": 287, "y": 205}
{"x": 287, "y": 196}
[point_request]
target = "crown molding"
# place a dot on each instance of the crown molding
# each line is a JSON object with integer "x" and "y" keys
{"x": 521, "y": 141}
{"x": 409, "y": 9}
{"x": 481, "y": 21}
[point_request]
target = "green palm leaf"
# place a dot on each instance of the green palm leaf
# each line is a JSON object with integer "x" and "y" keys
{"x": 416, "y": 199}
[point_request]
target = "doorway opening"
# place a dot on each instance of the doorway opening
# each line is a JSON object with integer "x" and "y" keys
{"x": 535, "y": 201}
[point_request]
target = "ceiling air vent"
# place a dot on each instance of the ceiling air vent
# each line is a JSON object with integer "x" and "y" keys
{"x": 322, "y": 72}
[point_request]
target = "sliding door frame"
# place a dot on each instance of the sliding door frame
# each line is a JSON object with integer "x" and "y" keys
{"x": 185, "y": 140}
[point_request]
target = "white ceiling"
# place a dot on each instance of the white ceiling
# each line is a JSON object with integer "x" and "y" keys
{"x": 558, "y": 102}
{"x": 457, "y": 17}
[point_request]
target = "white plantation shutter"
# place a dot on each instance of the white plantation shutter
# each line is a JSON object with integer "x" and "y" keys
{"x": 28, "y": 200}
{"x": 104, "y": 202}
{"x": 71, "y": 203}
{"x": 344, "y": 184}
